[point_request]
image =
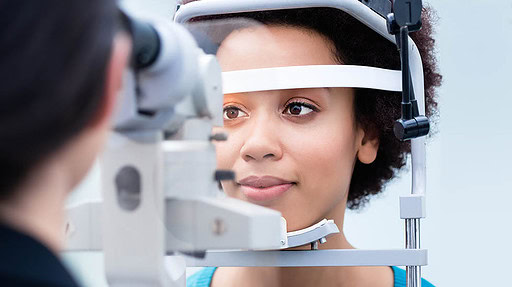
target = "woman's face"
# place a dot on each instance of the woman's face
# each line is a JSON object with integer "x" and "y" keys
{"x": 292, "y": 150}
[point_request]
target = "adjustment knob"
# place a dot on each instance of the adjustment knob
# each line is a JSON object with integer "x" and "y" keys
{"x": 219, "y": 137}
{"x": 413, "y": 128}
{"x": 222, "y": 174}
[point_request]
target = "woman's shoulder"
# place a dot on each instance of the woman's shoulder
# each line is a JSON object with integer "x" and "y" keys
{"x": 400, "y": 278}
{"x": 201, "y": 278}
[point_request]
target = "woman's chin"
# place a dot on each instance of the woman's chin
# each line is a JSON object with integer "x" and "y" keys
{"x": 289, "y": 209}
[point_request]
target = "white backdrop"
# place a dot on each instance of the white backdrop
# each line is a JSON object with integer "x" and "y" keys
{"x": 467, "y": 229}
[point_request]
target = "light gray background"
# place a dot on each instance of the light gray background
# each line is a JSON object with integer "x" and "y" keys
{"x": 467, "y": 229}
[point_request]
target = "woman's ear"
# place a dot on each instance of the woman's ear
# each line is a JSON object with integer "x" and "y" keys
{"x": 368, "y": 146}
{"x": 119, "y": 57}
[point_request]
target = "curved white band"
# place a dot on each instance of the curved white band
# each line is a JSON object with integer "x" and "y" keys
{"x": 314, "y": 76}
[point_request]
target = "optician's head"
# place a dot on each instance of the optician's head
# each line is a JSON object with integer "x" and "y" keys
{"x": 309, "y": 153}
{"x": 61, "y": 65}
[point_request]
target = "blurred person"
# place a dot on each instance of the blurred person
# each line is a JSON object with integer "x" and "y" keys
{"x": 61, "y": 65}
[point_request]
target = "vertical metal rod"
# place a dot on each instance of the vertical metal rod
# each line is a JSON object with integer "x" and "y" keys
{"x": 412, "y": 241}
{"x": 406, "y": 80}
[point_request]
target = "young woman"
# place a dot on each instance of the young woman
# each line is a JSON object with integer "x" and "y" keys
{"x": 312, "y": 153}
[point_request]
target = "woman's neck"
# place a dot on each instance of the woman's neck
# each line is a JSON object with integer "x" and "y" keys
{"x": 319, "y": 276}
{"x": 309, "y": 276}
{"x": 37, "y": 206}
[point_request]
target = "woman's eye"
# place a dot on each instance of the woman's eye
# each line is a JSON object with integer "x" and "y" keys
{"x": 299, "y": 109}
{"x": 231, "y": 113}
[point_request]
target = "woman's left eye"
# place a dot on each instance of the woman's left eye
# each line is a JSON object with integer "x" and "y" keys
{"x": 299, "y": 109}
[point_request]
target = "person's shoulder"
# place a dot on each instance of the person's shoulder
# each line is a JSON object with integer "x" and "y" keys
{"x": 201, "y": 278}
{"x": 401, "y": 280}
{"x": 24, "y": 261}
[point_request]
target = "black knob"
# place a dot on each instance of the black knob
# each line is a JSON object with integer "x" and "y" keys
{"x": 408, "y": 129}
{"x": 221, "y": 174}
{"x": 219, "y": 137}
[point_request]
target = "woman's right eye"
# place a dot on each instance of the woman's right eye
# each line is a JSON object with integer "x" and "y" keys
{"x": 231, "y": 113}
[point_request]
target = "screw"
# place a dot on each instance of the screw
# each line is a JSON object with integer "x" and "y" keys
{"x": 218, "y": 227}
{"x": 69, "y": 229}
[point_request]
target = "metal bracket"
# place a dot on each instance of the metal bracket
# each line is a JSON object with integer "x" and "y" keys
{"x": 296, "y": 258}
{"x": 412, "y": 206}
{"x": 311, "y": 235}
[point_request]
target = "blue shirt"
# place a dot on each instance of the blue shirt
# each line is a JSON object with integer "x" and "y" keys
{"x": 203, "y": 278}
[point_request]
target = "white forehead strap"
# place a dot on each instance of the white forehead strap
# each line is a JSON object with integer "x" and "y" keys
{"x": 315, "y": 76}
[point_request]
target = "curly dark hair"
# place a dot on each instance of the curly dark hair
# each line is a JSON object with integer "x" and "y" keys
{"x": 375, "y": 110}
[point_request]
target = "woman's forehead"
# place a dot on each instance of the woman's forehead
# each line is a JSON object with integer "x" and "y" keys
{"x": 274, "y": 46}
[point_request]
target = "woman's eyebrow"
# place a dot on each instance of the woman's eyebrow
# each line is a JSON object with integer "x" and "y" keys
{"x": 232, "y": 96}
{"x": 322, "y": 94}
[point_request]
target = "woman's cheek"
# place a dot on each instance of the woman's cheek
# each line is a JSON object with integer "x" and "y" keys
{"x": 222, "y": 156}
{"x": 226, "y": 150}
{"x": 326, "y": 162}
{"x": 227, "y": 154}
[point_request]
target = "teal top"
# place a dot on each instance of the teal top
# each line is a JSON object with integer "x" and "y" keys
{"x": 203, "y": 278}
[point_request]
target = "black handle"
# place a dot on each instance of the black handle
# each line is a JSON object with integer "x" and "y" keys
{"x": 406, "y": 18}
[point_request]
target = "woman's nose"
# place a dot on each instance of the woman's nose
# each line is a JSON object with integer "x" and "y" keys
{"x": 262, "y": 142}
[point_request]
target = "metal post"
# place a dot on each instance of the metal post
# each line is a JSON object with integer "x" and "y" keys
{"x": 412, "y": 241}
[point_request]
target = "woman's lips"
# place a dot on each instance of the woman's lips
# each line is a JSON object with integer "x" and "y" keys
{"x": 264, "y": 188}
